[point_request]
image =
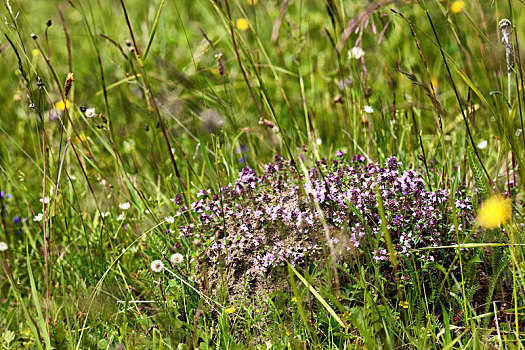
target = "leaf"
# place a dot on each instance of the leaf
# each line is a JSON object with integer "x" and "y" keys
{"x": 153, "y": 31}
{"x": 479, "y": 176}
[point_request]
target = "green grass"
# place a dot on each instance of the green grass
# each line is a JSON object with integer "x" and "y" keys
{"x": 438, "y": 85}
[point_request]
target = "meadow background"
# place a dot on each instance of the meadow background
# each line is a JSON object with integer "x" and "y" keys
{"x": 169, "y": 98}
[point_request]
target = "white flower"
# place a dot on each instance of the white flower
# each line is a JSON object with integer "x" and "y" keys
{"x": 90, "y": 112}
{"x": 147, "y": 211}
{"x": 44, "y": 200}
{"x": 356, "y": 52}
{"x": 157, "y": 266}
{"x": 176, "y": 258}
{"x": 120, "y": 217}
{"x": 3, "y": 246}
{"x": 368, "y": 109}
{"x": 169, "y": 219}
{"x": 38, "y": 217}
{"x": 124, "y": 206}
{"x": 483, "y": 144}
{"x": 319, "y": 141}
{"x": 105, "y": 214}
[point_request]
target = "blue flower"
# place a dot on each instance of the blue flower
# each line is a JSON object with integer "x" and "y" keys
{"x": 5, "y": 195}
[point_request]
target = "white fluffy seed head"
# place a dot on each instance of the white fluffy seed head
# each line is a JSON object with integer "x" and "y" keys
{"x": 157, "y": 266}
{"x": 176, "y": 258}
{"x": 3, "y": 246}
{"x": 90, "y": 112}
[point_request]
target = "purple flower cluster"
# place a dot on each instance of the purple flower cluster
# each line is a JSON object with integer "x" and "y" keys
{"x": 268, "y": 218}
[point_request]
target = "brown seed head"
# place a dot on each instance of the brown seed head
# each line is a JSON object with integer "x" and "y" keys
{"x": 68, "y": 84}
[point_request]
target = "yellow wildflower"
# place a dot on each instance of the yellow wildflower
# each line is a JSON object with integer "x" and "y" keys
{"x": 435, "y": 82}
{"x": 347, "y": 314}
{"x": 230, "y": 310}
{"x": 403, "y": 304}
{"x": 494, "y": 212}
{"x": 294, "y": 299}
{"x": 457, "y": 6}
{"x": 252, "y": 2}
{"x": 288, "y": 333}
{"x": 35, "y": 52}
{"x": 243, "y": 24}
{"x": 60, "y": 105}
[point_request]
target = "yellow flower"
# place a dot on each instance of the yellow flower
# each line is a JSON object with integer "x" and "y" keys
{"x": 288, "y": 333}
{"x": 243, "y": 24}
{"x": 403, "y": 304}
{"x": 294, "y": 299}
{"x": 435, "y": 82}
{"x": 62, "y": 106}
{"x": 35, "y": 52}
{"x": 252, "y": 2}
{"x": 230, "y": 310}
{"x": 457, "y": 6}
{"x": 494, "y": 212}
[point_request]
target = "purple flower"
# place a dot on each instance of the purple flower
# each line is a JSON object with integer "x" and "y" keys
{"x": 359, "y": 158}
{"x": 5, "y": 195}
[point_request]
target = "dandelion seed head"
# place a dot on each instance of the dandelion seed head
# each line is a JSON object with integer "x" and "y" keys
{"x": 176, "y": 258}
{"x": 157, "y": 266}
